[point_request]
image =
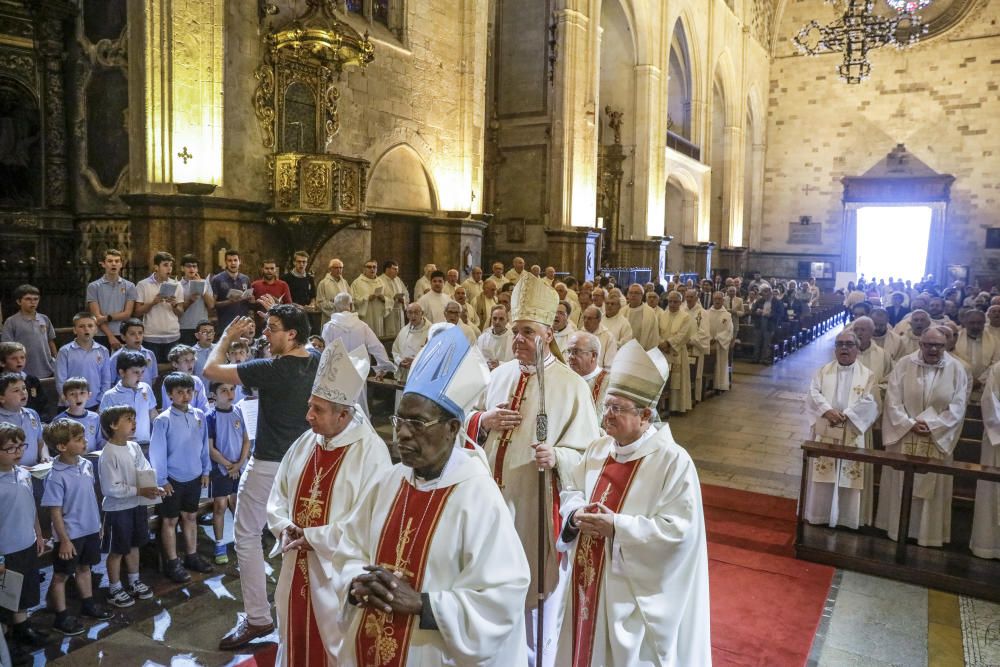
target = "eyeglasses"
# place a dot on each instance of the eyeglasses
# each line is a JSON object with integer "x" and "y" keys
{"x": 416, "y": 426}
{"x": 845, "y": 344}
{"x": 933, "y": 346}
{"x": 574, "y": 352}
{"x": 14, "y": 449}
{"x": 616, "y": 410}
{"x": 371, "y": 266}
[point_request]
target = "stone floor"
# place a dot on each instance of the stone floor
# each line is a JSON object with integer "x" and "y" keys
{"x": 746, "y": 439}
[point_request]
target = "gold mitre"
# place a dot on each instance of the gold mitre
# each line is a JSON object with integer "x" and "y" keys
{"x": 533, "y": 300}
{"x": 638, "y": 375}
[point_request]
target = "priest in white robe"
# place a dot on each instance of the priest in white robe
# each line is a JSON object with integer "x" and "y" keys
{"x": 976, "y": 349}
{"x": 720, "y": 332}
{"x": 434, "y": 301}
{"x": 985, "y": 541}
{"x": 469, "y": 315}
{"x": 615, "y": 320}
{"x": 634, "y": 528}
{"x": 321, "y": 480}
{"x": 453, "y": 316}
{"x": 676, "y": 329}
{"x": 474, "y": 284}
{"x": 511, "y": 408}
{"x": 873, "y": 357}
{"x": 370, "y": 298}
{"x": 843, "y": 409}
{"x": 497, "y": 343}
{"x": 483, "y": 304}
{"x": 592, "y": 323}
{"x": 909, "y": 339}
{"x": 699, "y": 343}
{"x": 333, "y": 284}
{"x": 410, "y": 340}
{"x": 563, "y": 326}
{"x": 924, "y": 411}
{"x": 884, "y": 336}
{"x": 347, "y": 327}
{"x": 993, "y": 327}
{"x": 423, "y": 284}
{"x": 397, "y": 298}
{"x": 429, "y": 569}
{"x": 645, "y": 321}
{"x": 581, "y": 355}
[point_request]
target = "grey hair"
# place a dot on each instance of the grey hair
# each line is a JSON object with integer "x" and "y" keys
{"x": 592, "y": 341}
{"x": 343, "y": 303}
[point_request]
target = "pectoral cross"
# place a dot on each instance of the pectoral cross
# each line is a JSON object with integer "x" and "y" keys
{"x": 312, "y": 507}
{"x": 399, "y": 567}
{"x": 185, "y": 155}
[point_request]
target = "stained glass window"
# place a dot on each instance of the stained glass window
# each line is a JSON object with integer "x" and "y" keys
{"x": 356, "y": 6}
{"x": 380, "y": 11}
{"x": 908, "y": 6}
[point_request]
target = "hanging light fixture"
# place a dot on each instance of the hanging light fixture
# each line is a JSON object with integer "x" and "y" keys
{"x": 859, "y": 30}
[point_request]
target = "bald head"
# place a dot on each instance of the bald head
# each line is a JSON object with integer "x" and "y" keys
{"x": 920, "y": 320}
{"x": 582, "y": 351}
{"x": 864, "y": 328}
{"x": 592, "y": 318}
{"x": 974, "y": 321}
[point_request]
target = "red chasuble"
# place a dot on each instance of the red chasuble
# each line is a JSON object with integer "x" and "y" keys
{"x": 588, "y": 566}
{"x": 311, "y": 508}
{"x": 505, "y": 437}
{"x": 383, "y": 639}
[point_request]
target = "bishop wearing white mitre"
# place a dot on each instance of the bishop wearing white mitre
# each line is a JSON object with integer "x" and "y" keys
{"x": 320, "y": 480}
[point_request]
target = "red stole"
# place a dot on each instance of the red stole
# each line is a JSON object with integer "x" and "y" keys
{"x": 595, "y": 393}
{"x": 505, "y": 437}
{"x": 383, "y": 640}
{"x": 588, "y": 565}
{"x": 310, "y": 508}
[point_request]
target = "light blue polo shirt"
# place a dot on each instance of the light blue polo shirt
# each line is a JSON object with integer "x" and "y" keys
{"x": 75, "y": 361}
{"x": 29, "y": 422}
{"x": 111, "y": 297}
{"x": 17, "y": 520}
{"x": 71, "y": 487}
{"x": 109, "y": 375}
{"x": 91, "y": 422}
{"x": 141, "y": 399}
{"x": 178, "y": 448}
{"x": 198, "y": 400}
{"x": 201, "y": 358}
{"x": 226, "y": 429}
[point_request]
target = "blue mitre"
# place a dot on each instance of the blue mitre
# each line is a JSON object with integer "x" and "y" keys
{"x": 449, "y": 372}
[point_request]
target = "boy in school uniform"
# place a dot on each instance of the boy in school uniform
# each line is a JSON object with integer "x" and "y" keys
{"x": 178, "y": 450}
{"x": 76, "y": 524}
{"x": 229, "y": 449}
{"x": 21, "y": 541}
{"x": 13, "y": 401}
{"x": 204, "y": 336}
{"x": 76, "y": 395}
{"x": 133, "y": 332}
{"x": 238, "y": 352}
{"x": 83, "y": 357}
{"x": 126, "y": 518}
{"x": 13, "y": 357}
{"x": 133, "y": 392}
{"x": 33, "y": 330}
{"x": 181, "y": 358}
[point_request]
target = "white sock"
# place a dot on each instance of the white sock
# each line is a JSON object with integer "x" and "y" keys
{"x": 220, "y": 543}
{"x": 132, "y": 578}
{"x": 115, "y": 587}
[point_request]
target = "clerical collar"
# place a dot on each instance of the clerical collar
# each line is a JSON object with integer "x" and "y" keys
{"x": 422, "y": 484}
{"x": 622, "y": 452}
{"x": 920, "y": 362}
{"x": 594, "y": 373}
{"x": 530, "y": 370}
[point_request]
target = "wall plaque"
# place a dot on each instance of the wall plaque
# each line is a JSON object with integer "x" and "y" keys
{"x": 805, "y": 232}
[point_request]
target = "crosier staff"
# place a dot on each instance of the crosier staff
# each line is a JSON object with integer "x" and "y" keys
{"x": 541, "y": 434}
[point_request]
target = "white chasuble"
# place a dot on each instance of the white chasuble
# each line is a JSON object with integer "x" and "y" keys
{"x": 496, "y": 349}
{"x": 455, "y": 538}
{"x": 408, "y": 342}
{"x": 985, "y": 541}
{"x": 396, "y": 298}
{"x": 371, "y": 311}
{"x": 720, "y": 331}
{"x": 619, "y": 328}
{"x": 698, "y": 346}
{"x": 979, "y": 353}
{"x": 645, "y": 326}
{"x": 937, "y": 395}
{"x": 891, "y": 343}
{"x": 433, "y": 304}
{"x": 647, "y": 602}
{"x": 840, "y": 491}
{"x": 879, "y": 363}
{"x": 346, "y": 467}
{"x": 562, "y": 337}
{"x": 677, "y": 329}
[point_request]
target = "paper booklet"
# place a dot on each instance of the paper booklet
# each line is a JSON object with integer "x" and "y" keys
{"x": 196, "y": 287}
{"x": 238, "y": 295}
{"x": 168, "y": 289}
{"x": 10, "y": 589}
{"x": 248, "y": 408}
{"x": 145, "y": 479}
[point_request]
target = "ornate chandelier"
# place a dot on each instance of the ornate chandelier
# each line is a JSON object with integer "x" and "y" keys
{"x": 859, "y": 30}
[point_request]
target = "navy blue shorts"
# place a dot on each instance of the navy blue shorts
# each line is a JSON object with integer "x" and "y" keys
{"x": 221, "y": 485}
{"x": 184, "y": 498}
{"x": 88, "y": 553}
{"x": 24, "y": 562}
{"x": 125, "y": 530}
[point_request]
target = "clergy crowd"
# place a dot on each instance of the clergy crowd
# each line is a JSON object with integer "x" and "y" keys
{"x": 908, "y": 370}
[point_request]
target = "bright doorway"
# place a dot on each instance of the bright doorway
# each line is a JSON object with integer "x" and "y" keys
{"x": 892, "y": 241}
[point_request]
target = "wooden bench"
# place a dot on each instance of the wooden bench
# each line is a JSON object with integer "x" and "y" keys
{"x": 951, "y": 568}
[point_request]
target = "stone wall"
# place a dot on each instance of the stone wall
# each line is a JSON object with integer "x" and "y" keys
{"x": 939, "y": 98}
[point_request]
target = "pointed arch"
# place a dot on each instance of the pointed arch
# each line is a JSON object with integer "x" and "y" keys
{"x": 400, "y": 181}
{"x": 680, "y": 35}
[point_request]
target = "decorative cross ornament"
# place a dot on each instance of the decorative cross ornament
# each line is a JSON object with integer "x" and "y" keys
{"x": 185, "y": 155}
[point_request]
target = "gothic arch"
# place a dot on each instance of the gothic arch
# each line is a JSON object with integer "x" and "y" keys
{"x": 400, "y": 181}
{"x": 683, "y": 34}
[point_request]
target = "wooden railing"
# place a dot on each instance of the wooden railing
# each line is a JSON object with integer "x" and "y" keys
{"x": 869, "y": 550}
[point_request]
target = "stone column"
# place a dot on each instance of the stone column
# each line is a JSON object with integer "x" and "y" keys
{"x": 755, "y": 217}
{"x": 732, "y": 210}
{"x": 732, "y": 261}
{"x": 649, "y": 182}
{"x": 453, "y": 241}
{"x": 575, "y": 250}
{"x": 698, "y": 258}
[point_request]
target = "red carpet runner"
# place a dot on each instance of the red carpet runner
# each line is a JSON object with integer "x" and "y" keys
{"x": 766, "y": 605}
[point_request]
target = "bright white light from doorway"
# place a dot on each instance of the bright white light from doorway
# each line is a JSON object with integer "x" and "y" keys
{"x": 892, "y": 241}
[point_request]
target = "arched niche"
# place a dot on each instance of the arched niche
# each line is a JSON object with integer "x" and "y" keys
{"x": 20, "y": 147}
{"x": 680, "y": 217}
{"x": 399, "y": 183}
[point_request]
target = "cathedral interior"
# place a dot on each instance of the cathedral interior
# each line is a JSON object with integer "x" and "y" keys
{"x": 672, "y": 136}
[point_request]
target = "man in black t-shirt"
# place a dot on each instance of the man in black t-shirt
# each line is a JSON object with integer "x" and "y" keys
{"x": 284, "y": 384}
{"x": 301, "y": 283}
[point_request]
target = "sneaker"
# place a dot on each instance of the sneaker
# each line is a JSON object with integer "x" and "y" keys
{"x": 197, "y": 563}
{"x": 121, "y": 599}
{"x": 221, "y": 554}
{"x": 25, "y": 633}
{"x": 176, "y": 572}
{"x": 140, "y": 590}
{"x": 91, "y": 609}
{"x": 68, "y": 625}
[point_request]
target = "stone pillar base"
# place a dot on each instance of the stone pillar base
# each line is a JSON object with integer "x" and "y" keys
{"x": 576, "y": 251}
{"x": 698, "y": 259}
{"x": 453, "y": 241}
{"x": 651, "y": 253}
{"x": 732, "y": 262}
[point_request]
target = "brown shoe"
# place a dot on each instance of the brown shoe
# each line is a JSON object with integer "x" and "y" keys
{"x": 243, "y": 634}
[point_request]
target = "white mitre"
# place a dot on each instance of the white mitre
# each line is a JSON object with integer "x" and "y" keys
{"x": 341, "y": 375}
{"x": 638, "y": 375}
